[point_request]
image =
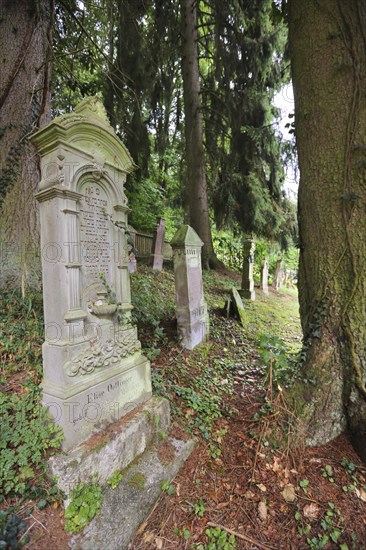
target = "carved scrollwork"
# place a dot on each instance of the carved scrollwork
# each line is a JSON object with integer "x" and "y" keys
{"x": 105, "y": 355}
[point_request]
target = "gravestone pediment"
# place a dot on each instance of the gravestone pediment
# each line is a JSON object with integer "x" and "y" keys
{"x": 186, "y": 236}
{"x": 82, "y": 140}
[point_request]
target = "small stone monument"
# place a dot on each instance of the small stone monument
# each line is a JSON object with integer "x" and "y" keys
{"x": 93, "y": 368}
{"x": 158, "y": 246}
{"x": 131, "y": 242}
{"x": 264, "y": 277}
{"x": 277, "y": 276}
{"x": 191, "y": 308}
{"x": 247, "y": 283}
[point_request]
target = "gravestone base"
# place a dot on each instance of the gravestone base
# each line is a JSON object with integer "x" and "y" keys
{"x": 98, "y": 399}
{"x": 140, "y": 448}
{"x": 193, "y": 325}
{"x": 247, "y": 294}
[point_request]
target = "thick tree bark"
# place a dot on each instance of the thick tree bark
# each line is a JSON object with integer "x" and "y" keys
{"x": 25, "y": 43}
{"x": 328, "y": 50}
{"x": 195, "y": 154}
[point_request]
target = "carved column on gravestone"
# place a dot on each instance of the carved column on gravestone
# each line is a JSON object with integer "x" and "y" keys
{"x": 247, "y": 284}
{"x": 93, "y": 368}
{"x": 191, "y": 308}
{"x": 264, "y": 277}
{"x": 158, "y": 246}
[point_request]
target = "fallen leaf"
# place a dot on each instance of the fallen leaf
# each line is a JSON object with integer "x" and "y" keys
{"x": 262, "y": 511}
{"x": 262, "y": 487}
{"x": 222, "y": 505}
{"x": 141, "y": 529}
{"x": 289, "y": 493}
{"x": 311, "y": 510}
{"x": 276, "y": 467}
{"x": 159, "y": 543}
{"x": 148, "y": 537}
{"x": 249, "y": 494}
{"x": 361, "y": 493}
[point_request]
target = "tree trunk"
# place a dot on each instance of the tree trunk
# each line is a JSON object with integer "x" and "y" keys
{"x": 195, "y": 155}
{"x": 328, "y": 52}
{"x": 25, "y": 43}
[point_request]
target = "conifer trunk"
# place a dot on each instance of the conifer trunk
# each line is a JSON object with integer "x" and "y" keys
{"x": 25, "y": 45}
{"x": 328, "y": 51}
{"x": 195, "y": 155}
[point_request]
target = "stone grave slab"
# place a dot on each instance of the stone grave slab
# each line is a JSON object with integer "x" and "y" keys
{"x": 158, "y": 246}
{"x": 247, "y": 285}
{"x": 191, "y": 308}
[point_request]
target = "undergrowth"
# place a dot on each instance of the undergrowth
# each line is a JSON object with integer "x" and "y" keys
{"x": 27, "y": 434}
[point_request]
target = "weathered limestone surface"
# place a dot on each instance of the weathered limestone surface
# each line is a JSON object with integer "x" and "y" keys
{"x": 191, "y": 308}
{"x": 113, "y": 451}
{"x": 93, "y": 367}
{"x": 125, "y": 508}
{"x": 247, "y": 284}
{"x": 158, "y": 246}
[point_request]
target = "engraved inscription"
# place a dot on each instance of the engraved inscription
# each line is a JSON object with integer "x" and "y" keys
{"x": 95, "y": 238}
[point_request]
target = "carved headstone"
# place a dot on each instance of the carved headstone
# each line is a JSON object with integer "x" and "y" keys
{"x": 247, "y": 283}
{"x": 277, "y": 276}
{"x": 191, "y": 308}
{"x": 158, "y": 246}
{"x": 131, "y": 243}
{"x": 264, "y": 277}
{"x": 93, "y": 368}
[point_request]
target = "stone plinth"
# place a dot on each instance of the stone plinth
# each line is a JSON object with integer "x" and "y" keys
{"x": 134, "y": 447}
{"x": 264, "y": 277}
{"x": 158, "y": 246}
{"x": 93, "y": 368}
{"x": 247, "y": 284}
{"x": 191, "y": 308}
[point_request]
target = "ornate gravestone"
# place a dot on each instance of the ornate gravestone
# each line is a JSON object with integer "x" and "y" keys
{"x": 264, "y": 277}
{"x": 191, "y": 308}
{"x": 158, "y": 246}
{"x": 247, "y": 283}
{"x": 93, "y": 368}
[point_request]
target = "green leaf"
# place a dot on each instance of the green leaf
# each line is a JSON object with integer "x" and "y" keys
{"x": 186, "y": 534}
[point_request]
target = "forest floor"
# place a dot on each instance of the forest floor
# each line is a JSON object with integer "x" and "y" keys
{"x": 245, "y": 485}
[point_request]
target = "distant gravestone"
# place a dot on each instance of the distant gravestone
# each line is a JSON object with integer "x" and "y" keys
{"x": 131, "y": 243}
{"x": 158, "y": 246}
{"x": 264, "y": 277}
{"x": 247, "y": 284}
{"x": 237, "y": 306}
{"x": 93, "y": 368}
{"x": 277, "y": 276}
{"x": 191, "y": 308}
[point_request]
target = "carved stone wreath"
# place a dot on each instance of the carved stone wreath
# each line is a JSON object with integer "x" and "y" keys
{"x": 105, "y": 355}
